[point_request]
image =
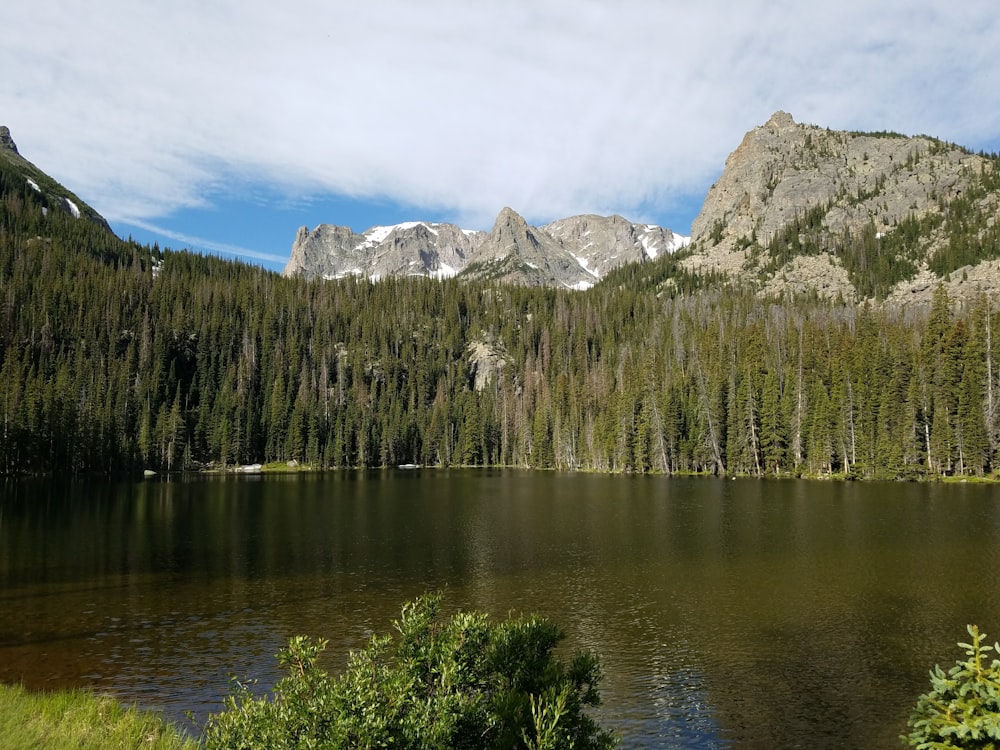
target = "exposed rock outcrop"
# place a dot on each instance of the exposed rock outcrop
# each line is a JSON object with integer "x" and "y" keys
{"x": 487, "y": 358}
{"x": 602, "y": 243}
{"x": 415, "y": 248}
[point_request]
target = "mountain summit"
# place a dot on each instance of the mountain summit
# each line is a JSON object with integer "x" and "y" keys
{"x": 570, "y": 253}
{"x": 6, "y": 141}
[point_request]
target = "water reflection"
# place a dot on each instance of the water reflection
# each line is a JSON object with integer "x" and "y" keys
{"x": 727, "y": 613}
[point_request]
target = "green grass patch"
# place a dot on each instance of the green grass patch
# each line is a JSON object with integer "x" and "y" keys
{"x": 80, "y": 720}
{"x": 286, "y": 467}
{"x": 970, "y": 479}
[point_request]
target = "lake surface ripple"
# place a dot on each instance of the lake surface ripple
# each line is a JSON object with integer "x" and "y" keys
{"x": 726, "y": 613}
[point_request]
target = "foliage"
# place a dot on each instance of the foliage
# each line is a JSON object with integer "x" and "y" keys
{"x": 878, "y": 134}
{"x": 962, "y": 708}
{"x": 973, "y": 234}
{"x": 877, "y": 261}
{"x": 115, "y": 357}
{"x": 80, "y": 720}
{"x": 801, "y": 236}
{"x": 665, "y": 275}
{"x": 457, "y": 682}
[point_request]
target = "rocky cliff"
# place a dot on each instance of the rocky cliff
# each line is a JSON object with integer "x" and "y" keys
{"x": 861, "y": 215}
{"x": 414, "y": 248}
{"x": 572, "y": 253}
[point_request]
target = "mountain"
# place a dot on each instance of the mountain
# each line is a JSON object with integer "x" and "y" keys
{"x": 42, "y": 189}
{"x": 800, "y": 208}
{"x": 414, "y": 248}
{"x": 573, "y": 253}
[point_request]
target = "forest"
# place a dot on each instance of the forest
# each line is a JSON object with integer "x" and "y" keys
{"x": 117, "y": 357}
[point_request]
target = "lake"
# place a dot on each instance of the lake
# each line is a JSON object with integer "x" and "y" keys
{"x": 727, "y": 613}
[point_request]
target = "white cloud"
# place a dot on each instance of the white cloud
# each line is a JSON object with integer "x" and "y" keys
{"x": 550, "y": 107}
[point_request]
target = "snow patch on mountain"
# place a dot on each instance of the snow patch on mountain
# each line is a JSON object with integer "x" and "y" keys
{"x": 444, "y": 272}
{"x": 585, "y": 265}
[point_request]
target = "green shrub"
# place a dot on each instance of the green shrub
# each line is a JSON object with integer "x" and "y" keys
{"x": 458, "y": 682}
{"x": 963, "y": 707}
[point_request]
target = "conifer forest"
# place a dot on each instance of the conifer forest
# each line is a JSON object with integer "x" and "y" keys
{"x": 118, "y": 357}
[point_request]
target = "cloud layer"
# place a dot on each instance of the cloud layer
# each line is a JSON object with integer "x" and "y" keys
{"x": 554, "y": 108}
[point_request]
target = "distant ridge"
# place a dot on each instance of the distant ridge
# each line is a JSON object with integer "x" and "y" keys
{"x": 571, "y": 253}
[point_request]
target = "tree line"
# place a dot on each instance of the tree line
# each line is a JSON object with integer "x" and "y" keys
{"x": 115, "y": 357}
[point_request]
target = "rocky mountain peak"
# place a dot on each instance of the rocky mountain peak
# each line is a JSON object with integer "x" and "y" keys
{"x": 5, "y": 140}
{"x": 858, "y": 215}
{"x": 780, "y": 121}
{"x": 509, "y": 216}
{"x": 511, "y": 233}
{"x": 799, "y": 207}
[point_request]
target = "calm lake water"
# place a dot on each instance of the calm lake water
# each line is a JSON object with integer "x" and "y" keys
{"x": 770, "y": 614}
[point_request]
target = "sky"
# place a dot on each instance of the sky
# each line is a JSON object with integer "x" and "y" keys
{"x": 224, "y": 125}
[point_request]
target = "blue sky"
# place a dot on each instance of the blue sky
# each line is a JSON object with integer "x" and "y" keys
{"x": 257, "y": 225}
{"x": 224, "y": 126}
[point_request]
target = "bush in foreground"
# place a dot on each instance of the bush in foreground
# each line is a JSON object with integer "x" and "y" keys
{"x": 458, "y": 682}
{"x": 963, "y": 707}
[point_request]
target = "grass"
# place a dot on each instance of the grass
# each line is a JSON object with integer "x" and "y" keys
{"x": 80, "y": 720}
{"x": 286, "y": 467}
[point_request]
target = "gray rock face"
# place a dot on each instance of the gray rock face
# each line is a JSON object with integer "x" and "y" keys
{"x": 487, "y": 358}
{"x": 849, "y": 180}
{"x": 515, "y": 252}
{"x": 5, "y": 140}
{"x": 572, "y": 253}
{"x": 411, "y": 249}
{"x": 602, "y": 243}
{"x": 782, "y": 168}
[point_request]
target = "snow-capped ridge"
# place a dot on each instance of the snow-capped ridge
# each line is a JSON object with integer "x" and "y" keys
{"x": 572, "y": 253}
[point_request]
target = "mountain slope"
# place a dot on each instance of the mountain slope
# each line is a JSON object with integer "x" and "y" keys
{"x": 43, "y": 189}
{"x": 801, "y": 208}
